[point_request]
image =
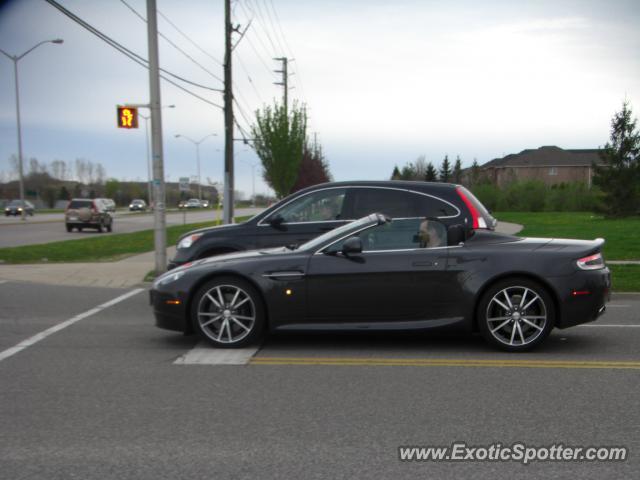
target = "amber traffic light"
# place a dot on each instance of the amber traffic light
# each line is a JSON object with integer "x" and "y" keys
{"x": 127, "y": 117}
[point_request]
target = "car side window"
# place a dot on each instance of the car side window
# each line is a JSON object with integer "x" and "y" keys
{"x": 320, "y": 206}
{"x": 402, "y": 234}
{"x": 392, "y": 203}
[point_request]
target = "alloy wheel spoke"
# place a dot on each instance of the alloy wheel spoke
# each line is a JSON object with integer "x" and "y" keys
{"x": 497, "y": 319}
{"x": 209, "y": 322}
{"x": 520, "y": 332}
{"x": 530, "y": 302}
{"x": 536, "y": 317}
{"x": 208, "y": 314}
{"x": 213, "y": 300}
{"x": 506, "y": 308}
{"x": 220, "y": 297}
{"x": 531, "y": 324}
{"x": 513, "y": 334}
{"x": 243, "y": 317}
{"x": 228, "y": 325}
{"x": 506, "y": 295}
{"x": 240, "y": 324}
{"x": 235, "y": 297}
{"x": 524, "y": 295}
{"x": 500, "y": 326}
{"x": 240, "y": 303}
{"x": 224, "y": 324}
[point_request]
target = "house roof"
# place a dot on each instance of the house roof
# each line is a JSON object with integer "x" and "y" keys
{"x": 547, "y": 156}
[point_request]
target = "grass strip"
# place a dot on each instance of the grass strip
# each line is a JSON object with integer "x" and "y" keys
{"x": 96, "y": 249}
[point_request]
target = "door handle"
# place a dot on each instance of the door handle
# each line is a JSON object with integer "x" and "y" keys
{"x": 425, "y": 263}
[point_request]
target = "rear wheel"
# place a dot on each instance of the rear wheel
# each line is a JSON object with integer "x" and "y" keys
{"x": 516, "y": 314}
{"x": 100, "y": 227}
{"x": 110, "y": 227}
{"x": 228, "y": 313}
{"x": 69, "y": 228}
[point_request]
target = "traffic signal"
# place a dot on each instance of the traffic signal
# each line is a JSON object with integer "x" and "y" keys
{"x": 127, "y": 117}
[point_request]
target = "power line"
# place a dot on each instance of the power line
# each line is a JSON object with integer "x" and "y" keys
{"x": 255, "y": 33}
{"x": 189, "y": 39}
{"x": 262, "y": 24}
{"x": 130, "y": 54}
{"x": 170, "y": 42}
{"x": 275, "y": 32}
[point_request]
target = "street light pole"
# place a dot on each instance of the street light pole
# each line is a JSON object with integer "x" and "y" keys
{"x": 149, "y": 166}
{"x": 15, "y": 59}
{"x": 197, "y": 144}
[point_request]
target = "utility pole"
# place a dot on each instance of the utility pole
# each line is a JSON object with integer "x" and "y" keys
{"x": 284, "y": 82}
{"x": 228, "y": 117}
{"x": 159, "y": 218}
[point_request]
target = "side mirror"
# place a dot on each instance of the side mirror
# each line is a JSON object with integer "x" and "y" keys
{"x": 352, "y": 245}
{"x": 276, "y": 221}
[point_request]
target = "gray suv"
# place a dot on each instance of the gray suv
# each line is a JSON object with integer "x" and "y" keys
{"x": 88, "y": 213}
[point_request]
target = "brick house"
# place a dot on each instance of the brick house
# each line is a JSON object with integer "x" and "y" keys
{"x": 550, "y": 164}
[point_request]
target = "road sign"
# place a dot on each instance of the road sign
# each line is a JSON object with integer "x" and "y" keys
{"x": 184, "y": 184}
{"x": 127, "y": 117}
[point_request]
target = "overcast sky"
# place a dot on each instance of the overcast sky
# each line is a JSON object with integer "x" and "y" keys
{"x": 384, "y": 81}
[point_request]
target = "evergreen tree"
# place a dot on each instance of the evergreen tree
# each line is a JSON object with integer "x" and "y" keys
{"x": 431, "y": 175}
{"x": 395, "y": 175}
{"x": 408, "y": 172}
{"x": 457, "y": 170}
{"x": 445, "y": 170}
{"x": 619, "y": 177}
{"x": 475, "y": 172}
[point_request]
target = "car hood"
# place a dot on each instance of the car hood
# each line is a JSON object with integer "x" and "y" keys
{"x": 218, "y": 229}
{"x": 230, "y": 257}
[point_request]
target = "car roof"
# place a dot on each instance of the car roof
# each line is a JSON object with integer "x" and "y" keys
{"x": 404, "y": 184}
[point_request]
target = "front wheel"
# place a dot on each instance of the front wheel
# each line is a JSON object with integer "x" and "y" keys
{"x": 69, "y": 228}
{"x": 516, "y": 315}
{"x": 228, "y": 313}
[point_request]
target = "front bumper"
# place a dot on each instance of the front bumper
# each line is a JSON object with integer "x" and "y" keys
{"x": 169, "y": 316}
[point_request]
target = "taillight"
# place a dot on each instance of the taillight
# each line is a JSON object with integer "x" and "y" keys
{"x": 472, "y": 209}
{"x": 592, "y": 262}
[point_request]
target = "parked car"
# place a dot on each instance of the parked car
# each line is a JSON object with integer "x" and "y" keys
{"x": 137, "y": 205}
{"x": 318, "y": 209}
{"x": 182, "y": 204}
{"x": 193, "y": 203}
{"x": 382, "y": 274}
{"x": 204, "y": 203}
{"x": 15, "y": 208}
{"x": 88, "y": 213}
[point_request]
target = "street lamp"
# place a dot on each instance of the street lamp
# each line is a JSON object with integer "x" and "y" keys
{"x": 149, "y": 167}
{"x": 197, "y": 144}
{"x": 15, "y": 59}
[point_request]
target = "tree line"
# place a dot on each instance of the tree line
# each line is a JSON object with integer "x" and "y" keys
{"x": 421, "y": 170}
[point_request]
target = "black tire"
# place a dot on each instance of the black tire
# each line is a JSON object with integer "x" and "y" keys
{"x": 110, "y": 227}
{"x": 214, "y": 331}
{"x": 79, "y": 229}
{"x": 69, "y": 228}
{"x": 521, "y": 329}
{"x": 100, "y": 227}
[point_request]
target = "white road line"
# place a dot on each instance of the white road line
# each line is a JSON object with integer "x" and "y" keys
{"x": 204, "y": 354}
{"x": 56, "y": 328}
{"x": 612, "y": 326}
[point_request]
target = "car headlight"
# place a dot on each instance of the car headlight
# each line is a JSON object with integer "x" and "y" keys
{"x": 168, "y": 278}
{"x": 189, "y": 240}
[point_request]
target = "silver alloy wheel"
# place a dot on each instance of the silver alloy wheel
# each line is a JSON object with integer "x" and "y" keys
{"x": 516, "y": 316}
{"x": 226, "y": 314}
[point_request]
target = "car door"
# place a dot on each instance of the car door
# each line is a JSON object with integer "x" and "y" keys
{"x": 303, "y": 218}
{"x": 396, "y": 278}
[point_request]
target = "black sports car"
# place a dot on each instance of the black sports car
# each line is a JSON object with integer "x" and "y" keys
{"x": 382, "y": 274}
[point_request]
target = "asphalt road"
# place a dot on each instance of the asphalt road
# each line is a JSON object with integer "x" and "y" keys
{"x": 102, "y": 398}
{"x": 50, "y": 227}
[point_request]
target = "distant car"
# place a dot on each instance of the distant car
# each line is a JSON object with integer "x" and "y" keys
{"x": 384, "y": 274}
{"x": 137, "y": 205}
{"x": 109, "y": 204}
{"x": 193, "y": 203}
{"x": 15, "y": 208}
{"x": 205, "y": 203}
{"x": 88, "y": 213}
{"x": 182, "y": 204}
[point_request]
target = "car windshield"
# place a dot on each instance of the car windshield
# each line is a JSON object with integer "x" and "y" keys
{"x": 16, "y": 203}
{"x": 339, "y": 232}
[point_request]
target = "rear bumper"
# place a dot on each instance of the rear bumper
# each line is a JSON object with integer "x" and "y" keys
{"x": 582, "y": 296}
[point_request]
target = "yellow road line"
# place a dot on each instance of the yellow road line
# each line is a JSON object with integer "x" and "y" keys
{"x": 433, "y": 362}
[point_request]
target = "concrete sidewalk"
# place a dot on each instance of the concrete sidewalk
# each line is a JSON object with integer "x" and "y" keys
{"x": 121, "y": 274}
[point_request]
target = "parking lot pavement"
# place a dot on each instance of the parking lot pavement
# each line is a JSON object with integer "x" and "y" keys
{"x": 104, "y": 398}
